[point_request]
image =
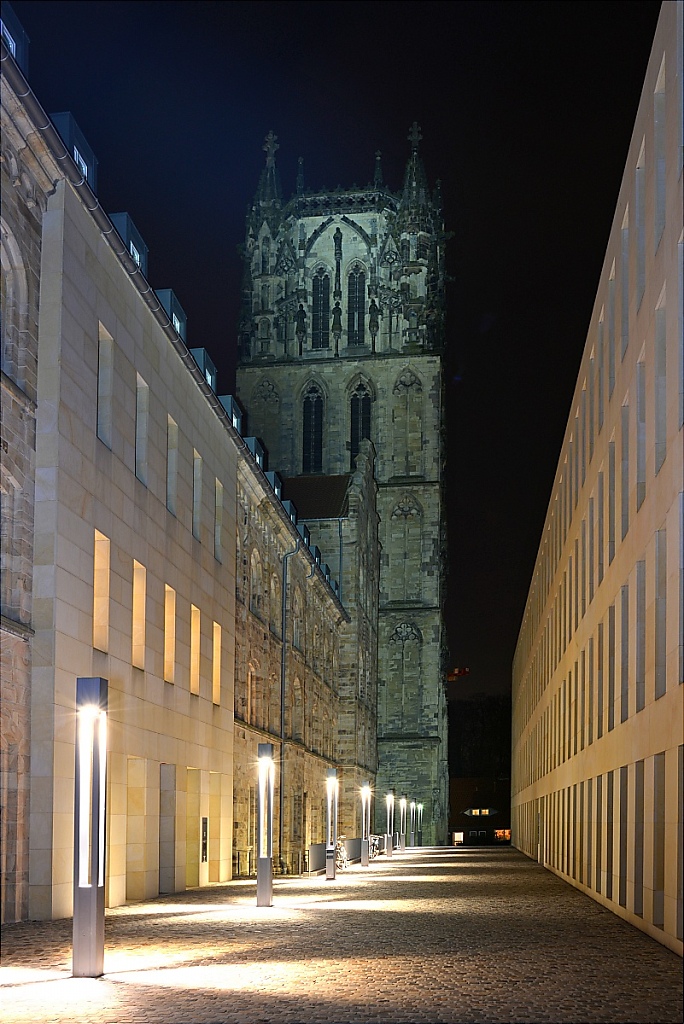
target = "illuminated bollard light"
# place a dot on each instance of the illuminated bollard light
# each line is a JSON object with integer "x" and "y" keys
{"x": 389, "y": 835}
{"x": 89, "y": 827}
{"x": 331, "y": 824}
{"x": 402, "y": 823}
{"x": 365, "y": 824}
{"x": 412, "y": 827}
{"x": 265, "y": 826}
{"x": 420, "y": 824}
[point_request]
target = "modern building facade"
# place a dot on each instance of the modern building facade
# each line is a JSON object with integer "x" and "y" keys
{"x": 341, "y": 340}
{"x": 142, "y": 542}
{"x": 597, "y": 679}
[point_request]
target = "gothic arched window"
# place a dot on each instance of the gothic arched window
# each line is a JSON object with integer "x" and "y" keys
{"x": 256, "y": 590}
{"x": 356, "y": 306}
{"x": 266, "y": 255}
{"x": 320, "y": 314}
{"x": 360, "y": 418}
{"x": 312, "y": 434}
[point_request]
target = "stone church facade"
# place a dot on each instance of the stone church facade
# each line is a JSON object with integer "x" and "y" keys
{"x": 341, "y": 341}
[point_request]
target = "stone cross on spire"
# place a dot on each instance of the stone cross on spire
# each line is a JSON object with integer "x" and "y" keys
{"x": 270, "y": 146}
{"x": 414, "y": 136}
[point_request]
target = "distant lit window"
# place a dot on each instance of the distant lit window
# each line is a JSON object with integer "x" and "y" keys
{"x": 176, "y": 323}
{"x": 11, "y": 45}
{"x": 135, "y": 255}
{"x": 80, "y": 163}
{"x": 207, "y": 374}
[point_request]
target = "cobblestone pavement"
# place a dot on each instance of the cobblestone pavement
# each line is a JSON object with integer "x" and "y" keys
{"x": 432, "y": 935}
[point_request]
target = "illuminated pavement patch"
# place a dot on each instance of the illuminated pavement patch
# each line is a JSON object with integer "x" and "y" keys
{"x": 437, "y": 936}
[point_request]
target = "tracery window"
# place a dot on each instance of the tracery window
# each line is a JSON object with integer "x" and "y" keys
{"x": 312, "y": 434}
{"x": 356, "y": 306}
{"x": 320, "y": 314}
{"x": 360, "y": 418}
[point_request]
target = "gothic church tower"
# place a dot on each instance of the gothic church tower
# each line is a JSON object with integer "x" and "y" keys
{"x": 341, "y": 340}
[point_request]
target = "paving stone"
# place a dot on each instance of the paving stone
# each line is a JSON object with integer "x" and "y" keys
{"x": 436, "y": 935}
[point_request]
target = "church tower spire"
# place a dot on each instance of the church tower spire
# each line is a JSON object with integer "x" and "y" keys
{"x": 415, "y": 194}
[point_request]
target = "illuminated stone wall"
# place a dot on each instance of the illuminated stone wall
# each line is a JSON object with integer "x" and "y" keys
{"x": 26, "y": 173}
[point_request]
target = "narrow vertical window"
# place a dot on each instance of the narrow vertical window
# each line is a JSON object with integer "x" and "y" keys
{"x": 138, "y": 624}
{"x": 583, "y": 435}
{"x": 624, "y": 653}
{"x": 601, "y": 372}
{"x": 611, "y": 501}
{"x": 659, "y": 148}
{"x": 592, "y": 427}
{"x": 660, "y": 613}
{"x": 599, "y": 681}
{"x": 583, "y": 577}
{"x": 624, "y": 471}
{"x": 640, "y": 667}
{"x": 194, "y": 649}
{"x": 169, "y": 634}
{"x": 320, "y": 313}
{"x": 600, "y": 501}
{"x": 622, "y": 837}
{"x": 101, "y": 592}
{"x": 639, "y": 838}
{"x": 640, "y": 432}
{"x": 576, "y": 472}
{"x": 105, "y": 385}
{"x": 611, "y": 668}
{"x": 640, "y": 196}
{"x": 142, "y": 423}
{"x": 659, "y": 840}
{"x": 611, "y": 331}
{"x": 624, "y": 286}
{"x": 216, "y": 665}
{"x": 360, "y": 418}
{"x": 591, "y": 553}
{"x": 660, "y": 397}
{"x": 196, "y": 494}
{"x": 218, "y": 518}
{"x": 312, "y": 430}
{"x": 171, "y": 464}
{"x": 590, "y": 684}
{"x": 356, "y": 306}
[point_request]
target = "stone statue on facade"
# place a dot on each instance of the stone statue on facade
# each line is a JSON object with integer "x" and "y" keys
{"x": 300, "y": 326}
{"x": 336, "y": 326}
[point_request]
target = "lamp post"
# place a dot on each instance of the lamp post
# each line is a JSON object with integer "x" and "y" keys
{"x": 265, "y": 826}
{"x": 365, "y": 824}
{"x": 412, "y": 827}
{"x": 420, "y": 824}
{"x": 89, "y": 827}
{"x": 389, "y": 800}
{"x": 332, "y": 790}
{"x": 402, "y": 823}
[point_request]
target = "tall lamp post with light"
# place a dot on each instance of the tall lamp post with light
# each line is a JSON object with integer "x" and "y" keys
{"x": 90, "y": 813}
{"x": 419, "y": 810}
{"x": 365, "y": 824}
{"x": 332, "y": 791}
{"x": 402, "y": 823}
{"x": 265, "y": 826}
{"x": 412, "y": 826}
{"x": 389, "y": 837}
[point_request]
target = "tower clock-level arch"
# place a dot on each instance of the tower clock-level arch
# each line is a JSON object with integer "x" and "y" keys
{"x": 356, "y": 304}
{"x": 361, "y": 396}
{"x": 320, "y": 307}
{"x": 312, "y": 419}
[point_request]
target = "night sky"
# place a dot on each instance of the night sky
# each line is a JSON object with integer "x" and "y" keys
{"x": 526, "y": 111}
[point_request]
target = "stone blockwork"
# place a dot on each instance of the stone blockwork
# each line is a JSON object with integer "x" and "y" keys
{"x": 341, "y": 339}
{"x": 26, "y": 172}
{"x": 289, "y": 697}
